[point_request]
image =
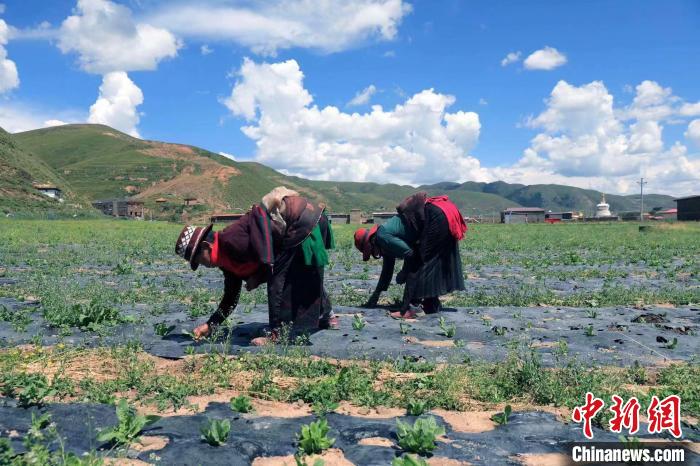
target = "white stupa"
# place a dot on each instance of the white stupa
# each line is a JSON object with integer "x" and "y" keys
{"x": 603, "y": 209}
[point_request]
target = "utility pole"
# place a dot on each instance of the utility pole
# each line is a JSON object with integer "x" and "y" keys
{"x": 641, "y": 184}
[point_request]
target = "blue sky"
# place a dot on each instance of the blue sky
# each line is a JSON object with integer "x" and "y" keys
{"x": 529, "y": 127}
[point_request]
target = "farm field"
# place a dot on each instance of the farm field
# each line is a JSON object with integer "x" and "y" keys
{"x": 95, "y": 318}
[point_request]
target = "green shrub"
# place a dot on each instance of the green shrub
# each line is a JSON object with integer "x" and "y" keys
{"x": 313, "y": 438}
{"x": 215, "y": 432}
{"x": 419, "y": 438}
{"x": 129, "y": 427}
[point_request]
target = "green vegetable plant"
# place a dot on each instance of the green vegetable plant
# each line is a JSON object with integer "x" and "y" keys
{"x": 29, "y": 389}
{"x": 241, "y": 404}
{"x": 162, "y": 329}
{"x": 215, "y": 432}
{"x": 313, "y": 438}
{"x": 589, "y": 331}
{"x": 419, "y": 438}
{"x": 502, "y": 418}
{"x": 672, "y": 344}
{"x": 358, "y": 322}
{"x": 404, "y": 328}
{"x": 416, "y": 407}
{"x": 129, "y": 427}
{"x": 447, "y": 330}
{"x": 409, "y": 460}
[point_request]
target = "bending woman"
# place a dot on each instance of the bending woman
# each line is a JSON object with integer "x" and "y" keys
{"x": 281, "y": 242}
{"x": 425, "y": 234}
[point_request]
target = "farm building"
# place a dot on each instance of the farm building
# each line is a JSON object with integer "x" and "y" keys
{"x": 667, "y": 214}
{"x": 523, "y": 215}
{"x": 379, "y": 218}
{"x": 339, "y": 218}
{"x": 225, "y": 218}
{"x": 688, "y": 208}
{"x": 48, "y": 190}
{"x": 555, "y": 217}
{"x": 124, "y": 208}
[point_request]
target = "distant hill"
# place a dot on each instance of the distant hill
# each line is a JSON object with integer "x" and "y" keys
{"x": 19, "y": 171}
{"x": 101, "y": 162}
{"x": 557, "y": 197}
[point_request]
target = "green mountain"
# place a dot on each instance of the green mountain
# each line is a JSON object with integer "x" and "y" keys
{"x": 101, "y": 162}
{"x": 20, "y": 170}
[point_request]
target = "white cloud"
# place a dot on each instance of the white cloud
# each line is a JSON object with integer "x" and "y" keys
{"x": 585, "y": 141}
{"x": 512, "y": 57}
{"x": 415, "y": 142}
{"x": 51, "y": 123}
{"x": 483, "y": 101}
{"x": 651, "y": 102}
{"x": 107, "y": 39}
{"x": 16, "y": 117}
{"x": 9, "y": 78}
{"x": 693, "y": 132}
{"x": 547, "y": 58}
{"x": 205, "y": 49}
{"x": 227, "y": 155}
{"x": 117, "y": 102}
{"x": 363, "y": 97}
{"x": 268, "y": 26}
{"x": 690, "y": 109}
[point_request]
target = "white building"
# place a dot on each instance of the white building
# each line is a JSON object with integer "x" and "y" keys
{"x": 602, "y": 210}
{"x": 49, "y": 190}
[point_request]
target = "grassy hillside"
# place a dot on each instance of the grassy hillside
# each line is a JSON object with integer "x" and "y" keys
{"x": 101, "y": 162}
{"x": 19, "y": 170}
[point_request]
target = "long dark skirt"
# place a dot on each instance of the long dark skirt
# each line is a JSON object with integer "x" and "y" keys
{"x": 438, "y": 268}
{"x": 295, "y": 292}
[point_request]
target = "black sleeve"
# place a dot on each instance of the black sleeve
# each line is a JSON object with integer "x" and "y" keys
{"x": 386, "y": 275}
{"x": 232, "y": 292}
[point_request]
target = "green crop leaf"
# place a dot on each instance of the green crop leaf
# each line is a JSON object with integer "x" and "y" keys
{"x": 241, "y": 404}
{"x": 129, "y": 426}
{"x": 419, "y": 438}
{"x": 358, "y": 322}
{"x": 215, "y": 432}
{"x": 313, "y": 438}
{"x": 502, "y": 418}
{"x": 162, "y": 329}
{"x": 409, "y": 460}
{"x": 417, "y": 407}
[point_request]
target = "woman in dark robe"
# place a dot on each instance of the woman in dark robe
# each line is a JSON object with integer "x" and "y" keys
{"x": 281, "y": 242}
{"x": 425, "y": 235}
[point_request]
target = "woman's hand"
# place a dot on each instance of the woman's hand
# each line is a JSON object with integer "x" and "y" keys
{"x": 201, "y": 332}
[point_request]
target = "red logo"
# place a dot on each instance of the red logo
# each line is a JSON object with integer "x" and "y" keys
{"x": 587, "y": 412}
{"x": 626, "y": 416}
{"x": 663, "y": 415}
